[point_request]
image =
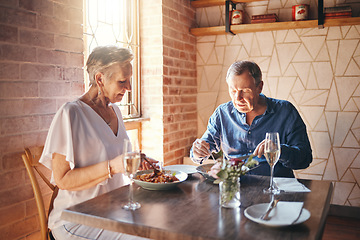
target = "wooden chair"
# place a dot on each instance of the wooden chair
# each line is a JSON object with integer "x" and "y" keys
{"x": 31, "y": 160}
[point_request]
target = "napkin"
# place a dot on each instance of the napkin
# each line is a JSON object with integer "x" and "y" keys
{"x": 285, "y": 213}
{"x": 290, "y": 185}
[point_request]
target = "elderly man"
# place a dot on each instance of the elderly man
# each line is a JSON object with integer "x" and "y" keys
{"x": 238, "y": 127}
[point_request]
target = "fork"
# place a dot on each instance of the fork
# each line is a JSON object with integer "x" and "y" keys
{"x": 272, "y": 205}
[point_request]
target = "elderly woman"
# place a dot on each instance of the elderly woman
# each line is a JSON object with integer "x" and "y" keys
{"x": 85, "y": 142}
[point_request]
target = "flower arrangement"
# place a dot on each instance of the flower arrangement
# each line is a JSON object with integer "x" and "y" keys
{"x": 233, "y": 169}
{"x": 228, "y": 178}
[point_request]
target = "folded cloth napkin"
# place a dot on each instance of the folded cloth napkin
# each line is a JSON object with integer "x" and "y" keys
{"x": 285, "y": 213}
{"x": 290, "y": 185}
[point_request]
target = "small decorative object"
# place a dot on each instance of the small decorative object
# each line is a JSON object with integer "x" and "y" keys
{"x": 264, "y": 18}
{"x": 229, "y": 180}
{"x": 237, "y": 17}
{"x": 300, "y": 12}
{"x": 337, "y": 12}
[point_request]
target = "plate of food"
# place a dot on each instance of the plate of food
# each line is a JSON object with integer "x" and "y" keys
{"x": 205, "y": 171}
{"x": 165, "y": 180}
{"x": 189, "y": 169}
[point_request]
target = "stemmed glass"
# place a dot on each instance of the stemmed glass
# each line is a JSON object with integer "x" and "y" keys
{"x": 272, "y": 154}
{"x": 132, "y": 161}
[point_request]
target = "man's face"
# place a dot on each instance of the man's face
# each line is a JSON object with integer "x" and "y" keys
{"x": 243, "y": 92}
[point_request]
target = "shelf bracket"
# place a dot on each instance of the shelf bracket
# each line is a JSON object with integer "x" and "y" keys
{"x": 320, "y": 14}
{"x": 228, "y": 17}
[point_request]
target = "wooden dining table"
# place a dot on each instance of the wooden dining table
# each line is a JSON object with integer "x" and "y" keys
{"x": 191, "y": 211}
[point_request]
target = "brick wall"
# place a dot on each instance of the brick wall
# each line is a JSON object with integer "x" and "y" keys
{"x": 41, "y": 64}
{"x": 169, "y": 78}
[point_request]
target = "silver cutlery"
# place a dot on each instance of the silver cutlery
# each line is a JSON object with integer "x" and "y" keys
{"x": 272, "y": 205}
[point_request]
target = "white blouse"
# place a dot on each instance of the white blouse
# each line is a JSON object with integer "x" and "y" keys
{"x": 81, "y": 135}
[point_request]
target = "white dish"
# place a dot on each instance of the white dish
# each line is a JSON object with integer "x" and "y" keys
{"x": 189, "y": 169}
{"x": 254, "y": 213}
{"x": 161, "y": 186}
{"x": 204, "y": 169}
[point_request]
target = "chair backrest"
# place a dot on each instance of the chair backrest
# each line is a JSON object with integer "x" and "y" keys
{"x": 31, "y": 160}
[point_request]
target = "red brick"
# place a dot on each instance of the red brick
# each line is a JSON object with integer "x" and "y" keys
{"x": 34, "y": 139}
{"x": 9, "y": 70}
{"x": 16, "y": 195}
{"x": 20, "y": 229}
{"x": 17, "y": 17}
{"x": 66, "y": 43}
{"x": 17, "y": 53}
{"x": 19, "y": 124}
{"x": 75, "y": 59}
{"x": 37, "y": 72}
{"x": 18, "y": 89}
{"x": 39, "y": 106}
{"x": 76, "y": 30}
{"x": 45, "y": 121}
{"x": 36, "y": 38}
{"x": 72, "y": 74}
{"x": 9, "y": 3}
{"x": 12, "y": 160}
{"x": 11, "y": 107}
{"x": 43, "y": 7}
{"x": 12, "y": 213}
{"x": 75, "y": 15}
{"x": 61, "y": 11}
{"x": 54, "y": 25}
{"x": 12, "y": 179}
{"x": 8, "y": 34}
{"x": 54, "y": 89}
{"x": 52, "y": 56}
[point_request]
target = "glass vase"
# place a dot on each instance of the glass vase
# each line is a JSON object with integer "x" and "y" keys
{"x": 229, "y": 193}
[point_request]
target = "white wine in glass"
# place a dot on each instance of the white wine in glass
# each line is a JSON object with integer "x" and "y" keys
{"x": 272, "y": 154}
{"x": 132, "y": 161}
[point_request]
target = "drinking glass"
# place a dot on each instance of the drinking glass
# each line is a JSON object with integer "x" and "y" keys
{"x": 132, "y": 161}
{"x": 272, "y": 154}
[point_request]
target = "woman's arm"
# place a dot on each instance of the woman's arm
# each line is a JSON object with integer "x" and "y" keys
{"x": 82, "y": 178}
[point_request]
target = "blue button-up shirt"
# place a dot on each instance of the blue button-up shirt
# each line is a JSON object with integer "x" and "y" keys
{"x": 227, "y": 130}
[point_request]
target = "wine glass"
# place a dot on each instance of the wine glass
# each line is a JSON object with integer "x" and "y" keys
{"x": 272, "y": 154}
{"x": 132, "y": 161}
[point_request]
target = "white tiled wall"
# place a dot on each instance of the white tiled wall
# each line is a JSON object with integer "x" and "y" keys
{"x": 318, "y": 70}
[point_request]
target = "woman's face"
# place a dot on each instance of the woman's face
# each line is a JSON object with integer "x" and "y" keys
{"x": 243, "y": 92}
{"x": 117, "y": 82}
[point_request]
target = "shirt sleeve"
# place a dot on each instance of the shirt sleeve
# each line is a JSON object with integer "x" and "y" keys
{"x": 59, "y": 139}
{"x": 296, "y": 153}
{"x": 211, "y": 136}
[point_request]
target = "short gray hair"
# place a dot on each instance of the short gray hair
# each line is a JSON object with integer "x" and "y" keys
{"x": 238, "y": 68}
{"x": 101, "y": 58}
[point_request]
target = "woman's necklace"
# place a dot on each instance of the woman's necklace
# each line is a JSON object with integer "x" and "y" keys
{"x": 101, "y": 115}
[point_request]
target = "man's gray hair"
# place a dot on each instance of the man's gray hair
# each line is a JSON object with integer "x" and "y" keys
{"x": 101, "y": 58}
{"x": 238, "y": 68}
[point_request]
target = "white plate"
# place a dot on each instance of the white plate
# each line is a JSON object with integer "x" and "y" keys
{"x": 161, "y": 186}
{"x": 189, "y": 169}
{"x": 204, "y": 169}
{"x": 254, "y": 213}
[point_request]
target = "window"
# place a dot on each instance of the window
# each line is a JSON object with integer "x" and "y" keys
{"x": 115, "y": 22}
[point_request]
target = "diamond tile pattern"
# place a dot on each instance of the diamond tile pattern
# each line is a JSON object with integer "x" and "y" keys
{"x": 318, "y": 70}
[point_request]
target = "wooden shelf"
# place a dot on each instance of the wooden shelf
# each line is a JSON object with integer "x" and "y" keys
{"x": 260, "y": 27}
{"x": 210, "y": 3}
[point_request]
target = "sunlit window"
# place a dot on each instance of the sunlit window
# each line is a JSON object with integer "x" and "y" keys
{"x": 115, "y": 22}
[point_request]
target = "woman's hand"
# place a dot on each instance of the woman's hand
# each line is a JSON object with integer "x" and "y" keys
{"x": 145, "y": 165}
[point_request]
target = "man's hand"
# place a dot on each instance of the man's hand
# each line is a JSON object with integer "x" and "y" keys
{"x": 259, "y": 150}
{"x": 201, "y": 149}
